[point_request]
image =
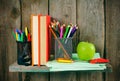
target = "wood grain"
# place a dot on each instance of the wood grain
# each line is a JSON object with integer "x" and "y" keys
{"x": 10, "y": 19}
{"x": 33, "y": 7}
{"x": 65, "y": 12}
{"x": 63, "y": 76}
{"x": 113, "y": 38}
{"x": 90, "y": 18}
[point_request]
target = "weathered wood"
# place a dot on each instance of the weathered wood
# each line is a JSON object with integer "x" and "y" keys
{"x": 33, "y": 7}
{"x": 90, "y": 18}
{"x": 113, "y": 38}
{"x": 65, "y": 11}
{"x": 63, "y": 76}
{"x": 21, "y": 68}
{"x": 9, "y": 20}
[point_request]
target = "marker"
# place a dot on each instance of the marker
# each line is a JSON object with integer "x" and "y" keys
{"x": 21, "y": 37}
{"x": 29, "y": 38}
{"x": 16, "y": 36}
{"x": 26, "y": 31}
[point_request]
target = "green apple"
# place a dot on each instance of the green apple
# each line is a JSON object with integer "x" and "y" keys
{"x": 85, "y": 51}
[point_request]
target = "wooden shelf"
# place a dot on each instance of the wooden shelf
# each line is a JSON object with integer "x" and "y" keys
{"x": 21, "y": 68}
{"x": 53, "y": 66}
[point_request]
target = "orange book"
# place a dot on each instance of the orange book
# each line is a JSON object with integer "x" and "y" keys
{"x": 35, "y": 40}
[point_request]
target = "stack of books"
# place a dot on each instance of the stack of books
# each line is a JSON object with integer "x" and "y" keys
{"x": 40, "y": 39}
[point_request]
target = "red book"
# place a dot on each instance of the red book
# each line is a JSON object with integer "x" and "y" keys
{"x": 44, "y": 39}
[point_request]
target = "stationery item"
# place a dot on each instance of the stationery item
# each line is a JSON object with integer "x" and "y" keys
{"x": 21, "y": 37}
{"x": 16, "y": 36}
{"x": 35, "y": 40}
{"x": 56, "y": 32}
{"x": 63, "y": 60}
{"x": 61, "y": 30}
{"x": 66, "y": 32}
{"x": 18, "y": 31}
{"x": 24, "y": 53}
{"x": 99, "y": 60}
{"x": 69, "y": 33}
{"x": 71, "y": 27}
{"x": 57, "y": 26}
{"x": 29, "y": 37}
{"x": 59, "y": 53}
{"x": 26, "y": 31}
{"x": 66, "y": 54}
{"x": 77, "y": 65}
{"x": 44, "y": 39}
{"x": 73, "y": 30}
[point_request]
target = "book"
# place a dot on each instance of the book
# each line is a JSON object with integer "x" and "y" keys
{"x": 44, "y": 39}
{"x": 35, "y": 40}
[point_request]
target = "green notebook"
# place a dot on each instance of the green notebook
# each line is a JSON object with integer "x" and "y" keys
{"x": 77, "y": 65}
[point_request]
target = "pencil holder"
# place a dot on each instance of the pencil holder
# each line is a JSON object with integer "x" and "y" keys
{"x": 63, "y": 45}
{"x": 24, "y": 53}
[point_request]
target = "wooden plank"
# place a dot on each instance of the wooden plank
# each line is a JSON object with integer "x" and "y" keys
{"x": 63, "y": 76}
{"x": 65, "y": 11}
{"x": 32, "y": 76}
{"x": 10, "y": 19}
{"x": 113, "y": 38}
{"x": 33, "y": 7}
{"x": 90, "y": 18}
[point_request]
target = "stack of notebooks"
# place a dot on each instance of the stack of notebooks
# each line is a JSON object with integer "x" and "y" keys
{"x": 40, "y": 39}
{"x": 77, "y": 65}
